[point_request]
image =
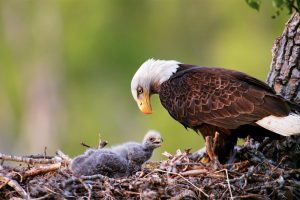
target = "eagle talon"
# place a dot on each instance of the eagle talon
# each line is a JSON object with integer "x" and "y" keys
{"x": 209, "y": 147}
{"x": 211, "y": 144}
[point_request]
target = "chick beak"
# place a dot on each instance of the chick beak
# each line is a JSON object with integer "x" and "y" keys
{"x": 158, "y": 142}
{"x": 144, "y": 103}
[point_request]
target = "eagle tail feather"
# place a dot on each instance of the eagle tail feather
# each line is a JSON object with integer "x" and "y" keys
{"x": 286, "y": 126}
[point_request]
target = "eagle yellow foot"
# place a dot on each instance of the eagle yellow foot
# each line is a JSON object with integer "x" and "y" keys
{"x": 207, "y": 154}
{"x": 210, "y": 144}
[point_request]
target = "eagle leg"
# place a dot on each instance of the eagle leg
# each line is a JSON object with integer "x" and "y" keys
{"x": 215, "y": 142}
{"x": 211, "y": 145}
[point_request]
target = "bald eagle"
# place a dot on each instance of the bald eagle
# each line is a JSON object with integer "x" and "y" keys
{"x": 211, "y": 99}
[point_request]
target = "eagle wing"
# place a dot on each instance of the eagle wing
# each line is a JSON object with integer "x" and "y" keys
{"x": 218, "y": 97}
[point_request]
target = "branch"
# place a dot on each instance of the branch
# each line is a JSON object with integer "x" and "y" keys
{"x": 15, "y": 185}
{"x": 41, "y": 170}
{"x": 30, "y": 160}
{"x": 199, "y": 189}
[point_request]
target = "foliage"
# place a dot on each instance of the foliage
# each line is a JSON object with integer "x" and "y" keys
{"x": 290, "y": 5}
{"x": 255, "y": 4}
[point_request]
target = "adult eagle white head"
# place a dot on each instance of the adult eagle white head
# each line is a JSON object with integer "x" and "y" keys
{"x": 210, "y": 99}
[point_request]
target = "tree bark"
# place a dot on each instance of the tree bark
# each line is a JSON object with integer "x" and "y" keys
{"x": 284, "y": 75}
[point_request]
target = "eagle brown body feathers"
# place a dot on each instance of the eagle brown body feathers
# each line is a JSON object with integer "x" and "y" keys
{"x": 215, "y": 99}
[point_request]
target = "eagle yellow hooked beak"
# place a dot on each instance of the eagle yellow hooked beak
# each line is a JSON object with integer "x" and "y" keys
{"x": 144, "y": 103}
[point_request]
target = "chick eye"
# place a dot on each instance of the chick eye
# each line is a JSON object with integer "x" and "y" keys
{"x": 139, "y": 90}
{"x": 151, "y": 139}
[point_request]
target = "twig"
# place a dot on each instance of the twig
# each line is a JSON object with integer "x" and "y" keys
{"x": 102, "y": 144}
{"x": 200, "y": 190}
{"x": 144, "y": 176}
{"x": 100, "y": 141}
{"x": 260, "y": 187}
{"x": 92, "y": 177}
{"x": 14, "y": 184}
{"x": 45, "y": 152}
{"x": 29, "y": 160}
{"x": 39, "y": 156}
{"x": 194, "y": 172}
{"x": 63, "y": 156}
{"x": 238, "y": 178}
{"x": 250, "y": 196}
{"x": 3, "y": 184}
{"x": 13, "y": 175}
{"x": 292, "y": 171}
{"x": 96, "y": 176}
{"x": 50, "y": 190}
{"x": 47, "y": 196}
{"x": 216, "y": 176}
{"x": 134, "y": 193}
{"x": 280, "y": 162}
{"x": 130, "y": 192}
{"x": 86, "y": 187}
{"x": 241, "y": 165}
{"x": 41, "y": 170}
{"x": 85, "y": 145}
{"x": 223, "y": 194}
{"x": 228, "y": 181}
{"x": 192, "y": 163}
{"x": 185, "y": 194}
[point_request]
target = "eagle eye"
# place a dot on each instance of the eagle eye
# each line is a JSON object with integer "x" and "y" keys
{"x": 139, "y": 90}
{"x": 151, "y": 139}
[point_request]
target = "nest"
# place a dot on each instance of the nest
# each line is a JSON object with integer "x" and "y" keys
{"x": 266, "y": 170}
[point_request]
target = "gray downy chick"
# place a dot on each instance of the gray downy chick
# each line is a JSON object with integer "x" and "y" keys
{"x": 99, "y": 161}
{"x": 117, "y": 161}
{"x": 138, "y": 153}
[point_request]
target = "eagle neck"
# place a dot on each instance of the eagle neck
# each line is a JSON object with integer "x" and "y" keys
{"x": 155, "y": 87}
{"x": 160, "y": 71}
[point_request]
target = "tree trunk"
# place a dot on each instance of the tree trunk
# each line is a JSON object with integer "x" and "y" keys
{"x": 284, "y": 78}
{"x": 284, "y": 75}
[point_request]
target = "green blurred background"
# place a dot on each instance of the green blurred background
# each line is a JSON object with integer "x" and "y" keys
{"x": 66, "y": 66}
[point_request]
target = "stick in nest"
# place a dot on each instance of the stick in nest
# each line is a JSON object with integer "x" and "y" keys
{"x": 101, "y": 143}
{"x": 85, "y": 145}
{"x": 194, "y": 172}
{"x": 15, "y": 185}
{"x": 87, "y": 187}
{"x": 63, "y": 156}
{"x": 45, "y": 152}
{"x": 185, "y": 194}
{"x": 200, "y": 190}
{"x": 41, "y": 170}
{"x": 30, "y": 160}
{"x": 96, "y": 176}
{"x": 228, "y": 181}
